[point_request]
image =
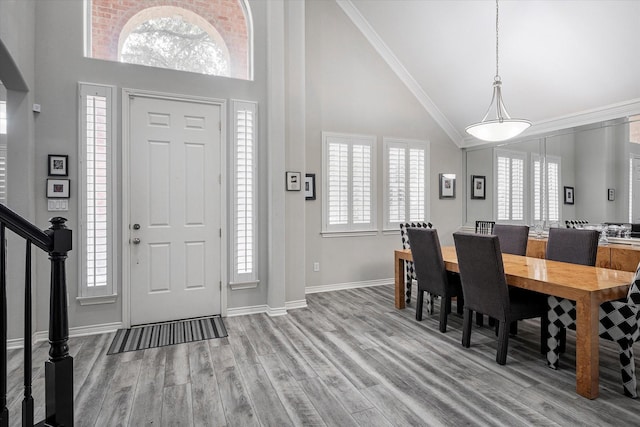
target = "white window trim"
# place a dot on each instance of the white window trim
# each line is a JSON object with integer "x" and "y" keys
{"x": 407, "y": 144}
{"x": 349, "y": 230}
{"x": 108, "y": 293}
{"x": 545, "y": 215}
{"x": 243, "y": 280}
{"x": 498, "y": 152}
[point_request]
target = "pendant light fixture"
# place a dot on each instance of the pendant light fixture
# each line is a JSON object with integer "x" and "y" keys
{"x": 502, "y": 127}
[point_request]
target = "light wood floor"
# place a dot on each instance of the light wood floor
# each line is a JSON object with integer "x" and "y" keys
{"x": 349, "y": 359}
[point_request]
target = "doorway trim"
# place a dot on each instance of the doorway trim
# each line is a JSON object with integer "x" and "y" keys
{"x": 127, "y": 94}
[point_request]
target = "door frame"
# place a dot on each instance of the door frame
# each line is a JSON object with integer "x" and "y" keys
{"x": 127, "y": 94}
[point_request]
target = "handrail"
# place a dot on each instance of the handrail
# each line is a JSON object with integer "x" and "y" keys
{"x": 57, "y": 242}
{"x": 25, "y": 229}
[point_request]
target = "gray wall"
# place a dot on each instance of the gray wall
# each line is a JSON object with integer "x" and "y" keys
{"x": 350, "y": 89}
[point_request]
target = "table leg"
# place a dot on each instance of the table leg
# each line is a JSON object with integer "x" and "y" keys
{"x": 587, "y": 347}
{"x": 399, "y": 270}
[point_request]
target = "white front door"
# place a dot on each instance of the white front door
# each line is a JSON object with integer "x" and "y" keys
{"x": 175, "y": 207}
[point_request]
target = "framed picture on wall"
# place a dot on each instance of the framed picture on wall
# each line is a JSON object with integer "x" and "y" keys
{"x": 293, "y": 181}
{"x": 568, "y": 195}
{"x": 58, "y": 165}
{"x": 611, "y": 194}
{"x": 58, "y": 188}
{"x": 447, "y": 185}
{"x": 478, "y": 190}
{"x": 310, "y": 186}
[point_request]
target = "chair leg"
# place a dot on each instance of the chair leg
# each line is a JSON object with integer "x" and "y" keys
{"x": 544, "y": 333}
{"x": 460, "y": 304}
{"x": 445, "y": 302}
{"x": 563, "y": 340}
{"x": 466, "y": 328}
{"x": 513, "y": 328}
{"x": 419, "y": 303}
{"x": 430, "y": 303}
{"x": 479, "y": 319}
{"x": 503, "y": 342}
{"x": 553, "y": 345}
{"x": 443, "y": 314}
{"x": 492, "y": 322}
{"x": 627, "y": 368}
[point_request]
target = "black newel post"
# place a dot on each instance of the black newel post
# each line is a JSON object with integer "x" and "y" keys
{"x": 59, "y": 367}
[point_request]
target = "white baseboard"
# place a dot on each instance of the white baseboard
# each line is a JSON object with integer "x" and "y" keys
{"x": 79, "y": 331}
{"x": 348, "y": 285}
{"x": 292, "y": 305}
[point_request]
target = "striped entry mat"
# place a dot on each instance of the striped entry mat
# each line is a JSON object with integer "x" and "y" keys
{"x": 168, "y": 333}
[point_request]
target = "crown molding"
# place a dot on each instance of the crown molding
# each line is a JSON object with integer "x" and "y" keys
{"x": 399, "y": 69}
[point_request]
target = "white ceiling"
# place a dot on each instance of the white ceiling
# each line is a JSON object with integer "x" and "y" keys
{"x": 561, "y": 62}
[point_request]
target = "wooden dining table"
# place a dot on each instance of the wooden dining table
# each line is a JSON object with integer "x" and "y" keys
{"x": 587, "y": 286}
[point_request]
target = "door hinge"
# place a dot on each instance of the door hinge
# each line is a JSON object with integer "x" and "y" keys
{"x": 220, "y": 285}
{"x": 220, "y": 126}
{"x": 221, "y": 232}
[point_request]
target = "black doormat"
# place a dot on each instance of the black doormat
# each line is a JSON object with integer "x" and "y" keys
{"x": 168, "y": 333}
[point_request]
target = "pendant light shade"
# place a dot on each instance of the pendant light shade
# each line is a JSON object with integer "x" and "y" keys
{"x": 502, "y": 126}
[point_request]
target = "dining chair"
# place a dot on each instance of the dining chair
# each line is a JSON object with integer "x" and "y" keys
{"x": 409, "y": 268}
{"x": 513, "y": 238}
{"x": 574, "y": 246}
{"x": 619, "y": 322}
{"x": 484, "y": 227}
{"x": 432, "y": 276}
{"x": 485, "y": 289}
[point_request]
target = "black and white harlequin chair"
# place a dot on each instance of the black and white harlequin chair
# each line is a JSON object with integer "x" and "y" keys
{"x": 618, "y": 322}
{"x": 409, "y": 267}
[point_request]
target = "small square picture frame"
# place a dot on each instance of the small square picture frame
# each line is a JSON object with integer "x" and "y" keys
{"x": 310, "y": 186}
{"x": 58, "y": 188}
{"x": 478, "y": 187}
{"x": 569, "y": 195}
{"x": 58, "y": 165}
{"x": 293, "y": 180}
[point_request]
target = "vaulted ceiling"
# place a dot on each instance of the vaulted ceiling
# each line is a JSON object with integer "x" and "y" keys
{"x": 563, "y": 63}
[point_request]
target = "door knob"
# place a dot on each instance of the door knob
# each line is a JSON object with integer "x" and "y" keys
{"x": 136, "y": 241}
{"x": 136, "y": 226}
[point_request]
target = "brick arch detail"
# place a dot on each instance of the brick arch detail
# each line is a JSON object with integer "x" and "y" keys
{"x": 109, "y": 18}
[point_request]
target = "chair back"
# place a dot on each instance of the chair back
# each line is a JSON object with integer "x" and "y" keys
{"x": 427, "y": 260}
{"x": 484, "y": 227}
{"x": 407, "y": 225}
{"x": 513, "y": 238}
{"x": 484, "y": 284}
{"x": 573, "y": 245}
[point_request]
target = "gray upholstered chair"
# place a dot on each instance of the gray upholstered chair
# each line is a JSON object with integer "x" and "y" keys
{"x": 485, "y": 289}
{"x": 409, "y": 268}
{"x": 619, "y": 322}
{"x": 574, "y": 246}
{"x": 513, "y": 238}
{"x": 431, "y": 273}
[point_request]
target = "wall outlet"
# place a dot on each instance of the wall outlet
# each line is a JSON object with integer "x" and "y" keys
{"x": 316, "y": 266}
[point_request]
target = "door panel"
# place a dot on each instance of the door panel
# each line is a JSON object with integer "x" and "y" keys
{"x": 175, "y": 198}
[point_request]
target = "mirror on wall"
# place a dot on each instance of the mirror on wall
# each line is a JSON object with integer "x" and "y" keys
{"x": 587, "y": 174}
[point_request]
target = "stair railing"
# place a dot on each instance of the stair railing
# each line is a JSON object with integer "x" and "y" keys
{"x": 56, "y": 241}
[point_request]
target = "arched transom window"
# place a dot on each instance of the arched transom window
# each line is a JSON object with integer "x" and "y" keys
{"x": 211, "y": 37}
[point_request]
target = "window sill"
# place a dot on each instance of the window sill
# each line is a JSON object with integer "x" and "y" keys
{"x": 390, "y": 231}
{"x": 236, "y": 286}
{"x": 349, "y": 233}
{"x": 102, "y": 299}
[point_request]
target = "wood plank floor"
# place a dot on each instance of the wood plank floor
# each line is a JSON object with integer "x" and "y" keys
{"x": 349, "y": 359}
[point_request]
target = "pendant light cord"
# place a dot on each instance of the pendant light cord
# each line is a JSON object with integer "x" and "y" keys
{"x": 497, "y": 55}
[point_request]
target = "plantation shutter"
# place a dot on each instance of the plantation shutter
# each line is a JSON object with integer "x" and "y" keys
{"x": 510, "y": 186}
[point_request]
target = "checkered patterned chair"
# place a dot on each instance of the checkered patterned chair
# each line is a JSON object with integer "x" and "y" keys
{"x": 619, "y": 322}
{"x": 409, "y": 267}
